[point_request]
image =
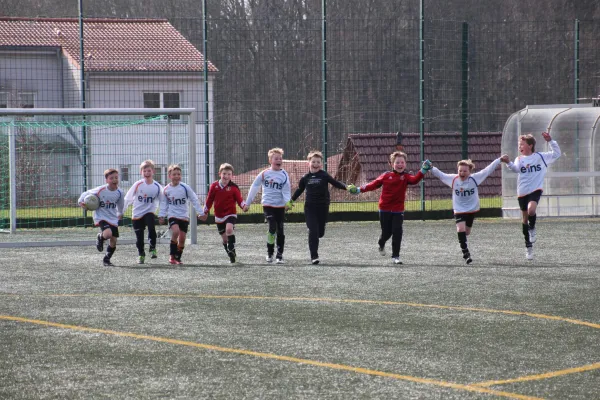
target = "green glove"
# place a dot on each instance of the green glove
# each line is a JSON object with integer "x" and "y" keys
{"x": 426, "y": 166}
{"x": 353, "y": 189}
{"x": 290, "y": 204}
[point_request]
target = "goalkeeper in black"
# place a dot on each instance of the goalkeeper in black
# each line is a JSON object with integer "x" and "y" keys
{"x": 316, "y": 206}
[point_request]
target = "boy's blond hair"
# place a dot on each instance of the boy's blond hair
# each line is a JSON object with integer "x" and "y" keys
{"x": 109, "y": 172}
{"x": 172, "y": 168}
{"x": 466, "y": 163}
{"x": 225, "y": 167}
{"x": 397, "y": 154}
{"x": 314, "y": 153}
{"x": 146, "y": 164}
{"x": 529, "y": 139}
{"x": 275, "y": 150}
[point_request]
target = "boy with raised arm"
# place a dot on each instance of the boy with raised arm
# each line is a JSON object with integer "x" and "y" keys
{"x": 174, "y": 205}
{"x": 465, "y": 196}
{"x": 225, "y": 194}
{"x": 531, "y": 167}
{"x": 316, "y": 206}
{"x": 145, "y": 196}
{"x": 108, "y": 214}
{"x": 276, "y": 192}
{"x": 391, "y": 201}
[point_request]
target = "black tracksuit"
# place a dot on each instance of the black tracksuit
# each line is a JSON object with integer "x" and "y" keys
{"x": 316, "y": 206}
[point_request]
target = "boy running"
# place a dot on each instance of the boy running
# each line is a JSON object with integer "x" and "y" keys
{"x": 465, "y": 196}
{"x": 316, "y": 206}
{"x": 109, "y": 213}
{"x": 276, "y": 192}
{"x": 531, "y": 167}
{"x": 391, "y": 201}
{"x": 225, "y": 194}
{"x": 174, "y": 205}
{"x": 145, "y": 196}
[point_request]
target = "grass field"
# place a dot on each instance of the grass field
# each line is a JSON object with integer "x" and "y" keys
{"x": 353, "y": 327}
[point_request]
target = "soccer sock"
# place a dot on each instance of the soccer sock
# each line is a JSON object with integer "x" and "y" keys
{"x": 139, "y": 242}
{"x": 280, "y": 243}
{"x": 231, "y": 242}
{"x": 109, "y": 252}
{"x": 173, "y": 248}
{"x": 462, "y": 239}
{"x": 532, "y": 219}
{"x": 270, "y": 243}
{"x": 526, "y": 234}
{"x": 179, "y": 251}
{"x": 225, "y": 247}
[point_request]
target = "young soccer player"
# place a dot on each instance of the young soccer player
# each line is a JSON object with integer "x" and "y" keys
{"x": 174, "y": 205}
{"x": 276, "y": 192}
{"x": 316, "y": 206}
{"x": 465, "y": 196}
{"x": 109, "y": 213}
{"x": 225, "y": 194}
{"x": 531, "y": 167}
{"x": 391, "y": 201}
{"x": 145, "y": 196}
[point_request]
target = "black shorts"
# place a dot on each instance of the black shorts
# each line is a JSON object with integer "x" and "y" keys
{"x": 103, "y": 225}
{"x": 183, "y": 224}
{"x": 533, "y": 196}
{"x": 221, "y": 226}
{"x": 467, "y": 218}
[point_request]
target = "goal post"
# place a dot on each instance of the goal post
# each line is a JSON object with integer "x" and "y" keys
{"x": 55, "y": 154}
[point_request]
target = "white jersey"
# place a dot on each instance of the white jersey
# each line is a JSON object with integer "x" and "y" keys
{"x": 276, "y": 188}
{"x": 111, "y": 204}
{"x": 144, "y": 197}
{"x": 532, "y": 169}
{"x": 465, "y": 194}
{"x": 174, "y": 202}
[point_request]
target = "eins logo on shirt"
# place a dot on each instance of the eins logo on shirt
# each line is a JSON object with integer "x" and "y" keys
{"x": 145, "y": 199}
{"x": 176, "y": 202}
{"x": 462, "y": 192}
{"x": 531, "y": 168}
{"x": 273, "y": 185}
{"x": 107, "y": 204}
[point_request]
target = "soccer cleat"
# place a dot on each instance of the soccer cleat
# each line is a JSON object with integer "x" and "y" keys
{"x": 382, "y": 251}
{"x": 315, "y": 261}
{"x": 279, "y": 258}
{"x": 141, "y": 259}
{"x": 529, "y": 254}
{"x": 100, "y": 243}
{"x": 269, "y": 258}
{"x": 174, "y": 261}
{"x": 153, "y": 253}
{"x": 468, "y": 260}
{"x": 467, "y": 257}
{"x": 232, "y": 256}
{"x": 396, "y": 260}
{"x": 106, "y": 262}
{"x": 532, "y": 235}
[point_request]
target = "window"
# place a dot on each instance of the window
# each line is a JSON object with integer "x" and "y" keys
{"x": 26, "y": 100}
{"x": 3, "y": 100}
{"x": 17, "y": 100}
{"x": 162, "y": 100}
{"x": 124, "y": 173}
{"x": 160, "y": 174}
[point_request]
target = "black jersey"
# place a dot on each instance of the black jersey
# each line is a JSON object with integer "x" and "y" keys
{"x": 317, "y": 187}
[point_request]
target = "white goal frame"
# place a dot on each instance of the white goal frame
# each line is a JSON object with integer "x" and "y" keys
{"x": 15, "y": 112}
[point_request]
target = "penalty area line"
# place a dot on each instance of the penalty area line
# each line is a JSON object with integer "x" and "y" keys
{"x": 342, "y": 367}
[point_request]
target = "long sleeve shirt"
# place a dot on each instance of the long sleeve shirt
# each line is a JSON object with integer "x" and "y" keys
{"x": 465, "y": 193}
{"x": 144, "y": 197}
{"x": 111, "y": 204}
{"x": 175, "y": 202}
{"x": 276, "y": 189}
{"x": 317, "y": 188}
{"x": 394, "y": 185}
{"x": 224, "y": 198}
{"x": 532, "y": 169}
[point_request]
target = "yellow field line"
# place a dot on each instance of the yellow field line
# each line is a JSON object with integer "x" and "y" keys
{"x": 342, "y": 367}
{"x": 546, "y": 375}
{"x": 333, "y": 300}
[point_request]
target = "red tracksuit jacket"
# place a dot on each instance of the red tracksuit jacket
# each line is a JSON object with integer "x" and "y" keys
{"x": 394, "y": 189}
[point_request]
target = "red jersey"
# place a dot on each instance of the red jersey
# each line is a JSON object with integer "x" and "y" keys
{"x": 224, "y": 199}
{"x": 394, "y": 189}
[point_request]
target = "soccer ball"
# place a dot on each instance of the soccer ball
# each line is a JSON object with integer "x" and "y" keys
{"x": 91, "y": 202}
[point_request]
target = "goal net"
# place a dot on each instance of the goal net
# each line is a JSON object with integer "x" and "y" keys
{"x": 48, "y": 157}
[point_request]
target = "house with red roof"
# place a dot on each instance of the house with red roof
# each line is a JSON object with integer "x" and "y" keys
{"x": 127, "y": 63}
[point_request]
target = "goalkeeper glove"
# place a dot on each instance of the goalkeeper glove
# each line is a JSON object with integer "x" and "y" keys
{"x": 290, "y": 204}
{"x": 353, "y": 189}
{"x": 426, "y": 166}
